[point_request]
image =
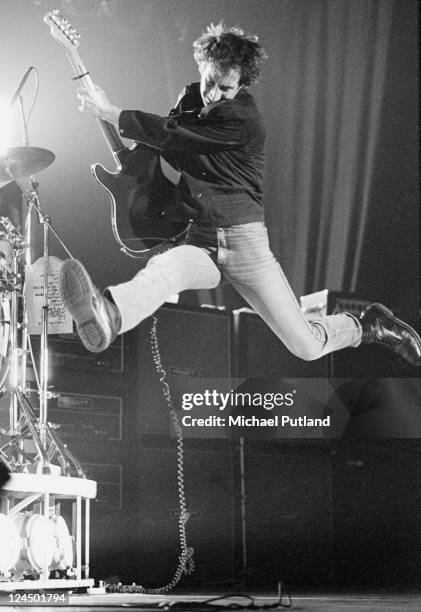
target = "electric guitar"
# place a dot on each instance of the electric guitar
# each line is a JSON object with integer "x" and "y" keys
{"x": 146, "y": 217}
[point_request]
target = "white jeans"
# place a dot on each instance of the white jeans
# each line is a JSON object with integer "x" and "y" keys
{"x": 244, "y": 258}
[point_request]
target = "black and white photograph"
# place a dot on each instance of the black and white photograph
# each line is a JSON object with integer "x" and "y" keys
{"x": 210, "y": 351}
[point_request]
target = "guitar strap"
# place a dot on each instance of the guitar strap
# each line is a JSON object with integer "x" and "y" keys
{"x": 188, "y": 105}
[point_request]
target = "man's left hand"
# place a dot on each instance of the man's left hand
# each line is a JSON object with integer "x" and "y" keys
{"x": 96, "y": 104}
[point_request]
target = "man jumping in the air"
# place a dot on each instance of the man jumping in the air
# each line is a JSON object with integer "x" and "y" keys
{"x": 217, "y": 144}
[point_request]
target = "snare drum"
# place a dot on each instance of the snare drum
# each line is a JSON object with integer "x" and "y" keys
{"x": 11, "y": 244}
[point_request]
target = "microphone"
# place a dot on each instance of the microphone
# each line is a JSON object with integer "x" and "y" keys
{"x": 21, "y": 84}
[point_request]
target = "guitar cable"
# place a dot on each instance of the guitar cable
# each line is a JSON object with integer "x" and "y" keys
{"x": 185, "y": 559}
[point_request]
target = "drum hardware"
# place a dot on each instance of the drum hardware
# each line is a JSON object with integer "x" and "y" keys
{"x": 23, "y": 421}
{"x": 40, "y": 543}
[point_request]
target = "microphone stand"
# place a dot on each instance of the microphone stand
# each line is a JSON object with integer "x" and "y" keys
{"x": 24, "y": 122}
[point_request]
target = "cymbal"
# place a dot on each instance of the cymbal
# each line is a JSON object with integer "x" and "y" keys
{"x": 24, "y": 161}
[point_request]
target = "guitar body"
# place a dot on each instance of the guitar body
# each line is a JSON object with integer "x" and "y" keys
{"x": 118, "y": 188}
{"x": 146, "y": 211}
{"x": 142, "y": 224}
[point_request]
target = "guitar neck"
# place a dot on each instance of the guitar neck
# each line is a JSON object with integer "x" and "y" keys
{"x": 108, "y": 130}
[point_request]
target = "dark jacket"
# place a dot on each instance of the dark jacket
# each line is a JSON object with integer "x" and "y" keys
{"x": 219, "y": 150}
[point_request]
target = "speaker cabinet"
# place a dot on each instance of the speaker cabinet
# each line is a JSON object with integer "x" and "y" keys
{"x": 377, "y": 486}
{"x": 369, "y": 361}
{"x": 93, "y": 408}
{"x": 261, "y": 354}
{"x": 288, "y": 513}
{"x": 210, "y": 495}
{"x": 193, "y": 344}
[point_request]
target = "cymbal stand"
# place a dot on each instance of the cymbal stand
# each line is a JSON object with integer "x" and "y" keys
{"x": 47, "y": 442}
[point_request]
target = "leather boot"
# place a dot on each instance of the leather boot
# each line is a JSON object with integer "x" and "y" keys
{"x": 98, "y": 319}
{"x": 379, "y": 325}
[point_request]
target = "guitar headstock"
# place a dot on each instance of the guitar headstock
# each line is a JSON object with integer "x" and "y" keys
{"x": 62, "y": 30}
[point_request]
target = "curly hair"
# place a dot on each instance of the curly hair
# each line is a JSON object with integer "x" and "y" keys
{"x": 230, "y": 48}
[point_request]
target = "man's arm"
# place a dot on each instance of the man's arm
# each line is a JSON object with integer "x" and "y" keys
{"x": 219, "y": 127}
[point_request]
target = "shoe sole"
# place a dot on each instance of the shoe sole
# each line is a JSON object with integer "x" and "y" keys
{"x": 77, "y": 291}
{"x": 389, "y": 314}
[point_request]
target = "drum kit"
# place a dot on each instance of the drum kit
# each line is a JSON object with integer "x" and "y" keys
{"x": 15, "y": 343}
{"x": 30, "y": 444}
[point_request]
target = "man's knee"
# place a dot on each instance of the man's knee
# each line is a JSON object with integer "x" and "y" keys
{"x": 306, "y": 352}
{"x": 310, "y": 345}
{"x": 178, "y": 256}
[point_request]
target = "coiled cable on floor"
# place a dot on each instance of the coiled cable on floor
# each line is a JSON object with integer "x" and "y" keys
{"x": 185, "y": 559}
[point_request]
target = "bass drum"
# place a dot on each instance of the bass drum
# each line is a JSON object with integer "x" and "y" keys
{"x": 38, "y": 543}
{"x": 10, "y": 543}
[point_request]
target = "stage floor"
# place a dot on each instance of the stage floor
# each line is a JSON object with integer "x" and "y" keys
{"x": 196, "y": 602}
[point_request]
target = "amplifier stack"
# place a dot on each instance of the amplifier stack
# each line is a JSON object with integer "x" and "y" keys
{"x": 92, "y": 395}
{"x": 115, "y": 419}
